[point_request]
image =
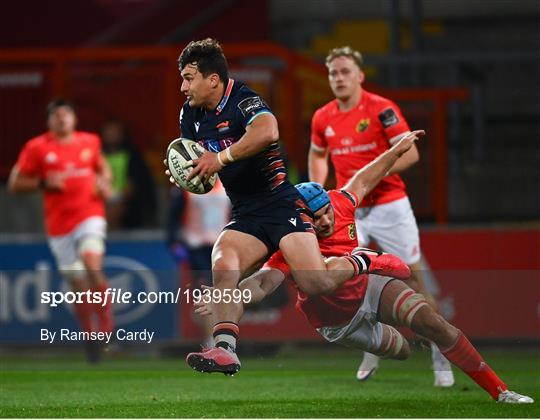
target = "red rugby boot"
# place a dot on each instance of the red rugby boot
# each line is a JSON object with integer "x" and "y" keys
{"x": 216, "y": 359}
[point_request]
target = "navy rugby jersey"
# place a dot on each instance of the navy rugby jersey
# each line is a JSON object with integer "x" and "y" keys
{"x": 250, "y": 183}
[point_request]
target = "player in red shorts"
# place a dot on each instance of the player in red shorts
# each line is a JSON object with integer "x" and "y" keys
{"x": 363, "y": 311}
{"x": 68, "y": 166}
{"x": 353, "y": 129}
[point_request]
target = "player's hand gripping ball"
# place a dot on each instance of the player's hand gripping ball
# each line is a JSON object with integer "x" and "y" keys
{"x": 180, "y": 154}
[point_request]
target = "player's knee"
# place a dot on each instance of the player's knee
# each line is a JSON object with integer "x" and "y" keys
{"x": 225, "y": 272}
{"x": 74, "y": 272}
{"x": 407, "y": 306}
{"x": 223, "y": 265}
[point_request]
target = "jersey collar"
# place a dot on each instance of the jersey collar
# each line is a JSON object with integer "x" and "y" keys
{"x": 225, "y": 98}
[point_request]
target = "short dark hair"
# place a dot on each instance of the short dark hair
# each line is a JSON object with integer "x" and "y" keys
{"x": 208, "y": 56}
{"x": 57, "y": 103}
{"x": 344, "y": 52}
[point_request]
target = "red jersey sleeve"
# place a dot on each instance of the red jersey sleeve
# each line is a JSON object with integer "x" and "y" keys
{"x": 317, "y": 131}
{"x": 30, "y": 162}
{"x": 277, "y": 262}
{"x": 352, "y": 197}
{"x": 391, "y": 119}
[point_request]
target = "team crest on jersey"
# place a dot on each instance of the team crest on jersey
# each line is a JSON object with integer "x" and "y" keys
{"x": 329, "y": 132}
{"x": 223, "y": 126}
{"x": 352, "y": 231}
{"x": 86, "y": 154}
{"x": 362, "y": 125}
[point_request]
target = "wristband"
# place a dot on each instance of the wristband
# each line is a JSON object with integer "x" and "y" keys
{"x": 219, "y": 159}
{"x": 229, "y": 155}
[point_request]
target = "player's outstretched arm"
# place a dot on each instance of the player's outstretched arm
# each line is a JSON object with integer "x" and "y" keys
{"x": 260, "y": 284}
{"x": 370, "y": 175}
{"x": 407, "y": 160}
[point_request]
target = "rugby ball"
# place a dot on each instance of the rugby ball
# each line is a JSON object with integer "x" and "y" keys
{"x": 179, "y": 152}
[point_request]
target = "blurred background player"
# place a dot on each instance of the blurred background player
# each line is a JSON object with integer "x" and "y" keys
{"x": 133, "y": 200}
{"x": 353, "y": 129}
{"x": 67, "y": 165}
{"x": 194, "y": 224}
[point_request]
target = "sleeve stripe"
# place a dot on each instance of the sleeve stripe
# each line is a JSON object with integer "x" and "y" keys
{"x": 258, "y": 114}
{"x": 351, "y": 196}
{"x": 317, "y": 148}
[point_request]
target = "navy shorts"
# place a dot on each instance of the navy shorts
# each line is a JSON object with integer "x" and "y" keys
{"x": 273, "y": 222}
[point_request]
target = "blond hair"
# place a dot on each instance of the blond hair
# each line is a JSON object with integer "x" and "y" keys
{"x": 344, "y": 52}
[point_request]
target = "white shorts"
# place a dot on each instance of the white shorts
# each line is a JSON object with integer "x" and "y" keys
{"x": 66, "y": 248}
{"x": 363, "y": 332}
{"x": 393, "y": 226}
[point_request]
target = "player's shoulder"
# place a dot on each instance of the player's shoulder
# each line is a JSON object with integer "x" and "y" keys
{"x": 38, "y": 141}
{"x": 376, "y": 100}
{"x": 247, "y": 101}
{"x": 241, "y": 90}
{"x": 326, "y": 110}
{"x": 343, "y": 198}
{"x": 87, "y": 137}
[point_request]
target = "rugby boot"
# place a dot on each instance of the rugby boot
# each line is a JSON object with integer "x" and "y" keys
{"x": 368, "y": 367}
{"x": 216, "y": 359}
{"x": 511, "y": 397}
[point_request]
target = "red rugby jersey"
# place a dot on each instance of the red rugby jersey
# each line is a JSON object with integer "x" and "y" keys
{"x": 76, "y": 160}
{"x": 339, "y": 307}
{"x": 356, "y": 137}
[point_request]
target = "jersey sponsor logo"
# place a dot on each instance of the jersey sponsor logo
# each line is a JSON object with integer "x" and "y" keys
{"x": 346, "y": 141}
{"x": 251, "y": 105}
{"x": 352, "y": 231}
{"x": 51, "y": 157}
{"x": 388, "y": 117}
{"x": 293, "y": 221}
{"x": 197, "y": 125}
{"x": 362, "y": 125}
{"x": 86, "y": 154}
{"x": 223, "y": 126}
{"x": 216, "y": 145}
{"x": 354, "y": 149}
{"x": 329, "y": 132}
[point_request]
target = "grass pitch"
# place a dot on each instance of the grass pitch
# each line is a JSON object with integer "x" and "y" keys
{"x": 306, "y": 383}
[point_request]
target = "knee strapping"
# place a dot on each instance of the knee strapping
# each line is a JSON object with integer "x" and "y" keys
{"x": 73, "y": 271}
{"x": 394, "y": 345}
{"x": 92, "y": 244}
{"x": 407, "y": 304}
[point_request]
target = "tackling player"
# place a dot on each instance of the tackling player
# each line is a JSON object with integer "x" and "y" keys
{"x": 363, "y": 311}
{"x": 354, "y": 129}
{"x": 240, "y": 134}
{"x": 68, "y": 167}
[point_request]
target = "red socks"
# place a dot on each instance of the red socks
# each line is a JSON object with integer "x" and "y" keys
{"x": 466, "y": 357}
{"x": 104, "y": 313}
{"x": 83, "y": 313}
